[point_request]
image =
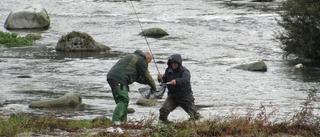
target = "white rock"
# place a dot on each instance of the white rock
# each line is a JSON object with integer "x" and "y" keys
{"x": 299, "y": 66}
{"x": 31, "y": 17}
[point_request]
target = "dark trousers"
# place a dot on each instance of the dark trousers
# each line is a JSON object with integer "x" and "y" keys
{"x": 171, "y": 103}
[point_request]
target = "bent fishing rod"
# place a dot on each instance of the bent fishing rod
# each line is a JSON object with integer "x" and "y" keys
{"x": 145, "y": 37}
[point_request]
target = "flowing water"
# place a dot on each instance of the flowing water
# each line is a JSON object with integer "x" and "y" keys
{"x": 212, "y": 36}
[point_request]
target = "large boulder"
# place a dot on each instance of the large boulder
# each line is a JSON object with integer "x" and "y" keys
{"x": 68, "y": 100}
{"x": 256, "y": 66}
{"x": 31, "y": 17}
{"x": 154, "y": 33}
{"x": 79, "y": 41}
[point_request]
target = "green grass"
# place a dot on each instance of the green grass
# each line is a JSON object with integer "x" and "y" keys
{"x": 13, "y": 40}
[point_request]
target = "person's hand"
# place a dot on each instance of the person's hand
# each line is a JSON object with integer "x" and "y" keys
{"x": 173, "y": 82}
{"x": 160, "y": 76}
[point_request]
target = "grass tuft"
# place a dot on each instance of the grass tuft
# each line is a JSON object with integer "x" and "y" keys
{"x": 13, "y": 40}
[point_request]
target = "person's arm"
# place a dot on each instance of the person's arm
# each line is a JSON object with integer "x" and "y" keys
{"x": 163, "y": 78}
{"x": 184, "y": 79}
{"x": 145, "y": 78}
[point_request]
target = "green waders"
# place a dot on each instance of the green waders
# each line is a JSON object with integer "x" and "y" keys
{"x": 121, "y": 97}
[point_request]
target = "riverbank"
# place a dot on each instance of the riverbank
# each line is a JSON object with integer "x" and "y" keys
{"x": 217, "y": 126}
{"x": 261, "y": 124}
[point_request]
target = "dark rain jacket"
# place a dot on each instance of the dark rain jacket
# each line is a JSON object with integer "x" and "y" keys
{"x": 181, "y": 75}
{"x": 132, "y": 68}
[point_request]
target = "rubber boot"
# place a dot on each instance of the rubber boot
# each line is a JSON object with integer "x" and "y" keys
{"x": 164, "y": 119}
{"x": 194, "y": 117}
{"x": 122, "y": 100}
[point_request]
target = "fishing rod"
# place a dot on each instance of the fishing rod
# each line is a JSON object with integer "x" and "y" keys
{"x": 154, "y": 60}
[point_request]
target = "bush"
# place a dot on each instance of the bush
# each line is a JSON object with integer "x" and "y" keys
{"x": 12, "y": 39}
{"x": 301, "y": 23}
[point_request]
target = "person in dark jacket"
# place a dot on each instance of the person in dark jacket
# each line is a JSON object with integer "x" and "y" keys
{"x": 131, "y": 68}
{"x": 179, "y": 89}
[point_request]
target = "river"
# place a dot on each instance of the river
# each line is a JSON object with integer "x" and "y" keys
{"x": 212, "y": 36}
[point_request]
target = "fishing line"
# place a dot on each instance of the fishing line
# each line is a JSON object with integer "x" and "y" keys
{"x": 145, "y": 36}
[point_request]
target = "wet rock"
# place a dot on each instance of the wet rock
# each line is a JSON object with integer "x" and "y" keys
{"x": 299, "y": 67}
{"x": 203, "y": 106}
{"x": 154, "y": 33}
{"x": 103, "y": 119}
{"x": 131, "y": 110}
{"x": 68, "y": 100}
{"x": 256, "y": 66}
{"x": 146, "y": 102}
{"x": 31, "y": 17}
{"x": 79, "y": 41}
{"x": 24, "y": 76}
{"x": 34, "y": 36}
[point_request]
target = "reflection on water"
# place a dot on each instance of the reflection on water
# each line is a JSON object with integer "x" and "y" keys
{"x": 212, "y": 37}
{"x": 83, "y": 54}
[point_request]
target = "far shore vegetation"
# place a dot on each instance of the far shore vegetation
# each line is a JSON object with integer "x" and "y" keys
{"x": 301, "y": 30}
{"x": 304, "y": 123}
{"x": 13, "y": 40}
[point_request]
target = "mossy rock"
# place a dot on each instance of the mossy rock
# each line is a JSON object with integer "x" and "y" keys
{"x": 154, "y": 33}
{"x": 67, "y": 100}
{"x": 256, "y": 66}
{"x": 102, "y": 119}
{"x": 34, "y": 36}
{"x": 146, "y": 102}
{"x": 79, "y": 41}
{"x": 131, "y": 110}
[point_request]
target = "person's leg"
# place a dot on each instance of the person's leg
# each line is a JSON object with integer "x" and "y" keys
{"x": 188, "y": 105}
{"x": 121, "y": 97}
{"x": 168, "y": 106}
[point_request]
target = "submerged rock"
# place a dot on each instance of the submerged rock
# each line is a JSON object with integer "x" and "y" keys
{"x": 24, "y": 76}
{"x": 68, "y": 100}
{"x": 79, "y": 41}
{"x": 31, "y": 17}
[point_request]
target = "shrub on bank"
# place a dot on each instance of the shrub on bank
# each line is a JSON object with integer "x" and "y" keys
{"x": 301, "y": 23}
